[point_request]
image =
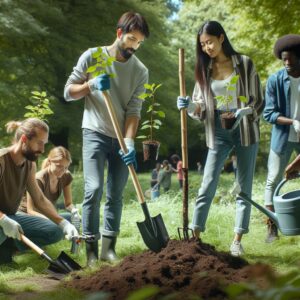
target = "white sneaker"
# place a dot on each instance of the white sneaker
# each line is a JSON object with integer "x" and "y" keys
{"x": 236, "y": 248}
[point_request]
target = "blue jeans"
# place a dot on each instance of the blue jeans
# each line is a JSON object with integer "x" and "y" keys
{"x": 98, "y": 149}
{"x": 225, "y": 141}
{"x": 276, "y": 166}
{"x": 41, "y": 231}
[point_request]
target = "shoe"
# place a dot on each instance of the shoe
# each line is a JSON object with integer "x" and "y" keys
{"x": 91, "y": 253}
{"x": 272, "y": 234}
{"x": 108, "y": 252}
{"x": 236, "y": 248}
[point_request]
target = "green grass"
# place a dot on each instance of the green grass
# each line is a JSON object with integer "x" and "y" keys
{"x": 283, "y": 254}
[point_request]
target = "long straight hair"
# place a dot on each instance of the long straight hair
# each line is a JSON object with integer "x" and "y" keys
{"x": 211, "y": 28}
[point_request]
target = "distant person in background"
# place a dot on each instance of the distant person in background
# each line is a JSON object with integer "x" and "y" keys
{"x": 177, "y": 161}
{"x": 234, "y": 163}
{"x": 154, "y": 174}
{"x": 283, "y": 112}
{"x": 164, "y": 176}
{"x": 55, "y": 179}
{"x": 199, "y": 168}
{"x": 217, "y": 63}
{"x": 17, "y": 174}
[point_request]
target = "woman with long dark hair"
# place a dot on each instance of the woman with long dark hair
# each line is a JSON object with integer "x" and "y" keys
{"x": 217, "y": 63}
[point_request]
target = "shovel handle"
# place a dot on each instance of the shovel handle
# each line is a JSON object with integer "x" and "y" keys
{"x": 183, "y": 118}
{"x": 118, "y": 132}
{"x": 31, "y": 244}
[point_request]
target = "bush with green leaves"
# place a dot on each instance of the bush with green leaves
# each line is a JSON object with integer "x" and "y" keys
{"x": 39, "y": 107}
{"x": 153, "y": 121}
{"x": 225, "y": 100}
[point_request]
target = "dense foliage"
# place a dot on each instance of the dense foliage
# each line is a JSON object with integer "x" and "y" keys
{"x": 42, "y": 40}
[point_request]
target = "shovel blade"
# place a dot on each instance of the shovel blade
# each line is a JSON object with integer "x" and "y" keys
{"x": 154, "y": 233}
{"x": 64, "y": 264}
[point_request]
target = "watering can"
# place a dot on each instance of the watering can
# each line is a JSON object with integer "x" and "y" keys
{"x": 287, "y": 210}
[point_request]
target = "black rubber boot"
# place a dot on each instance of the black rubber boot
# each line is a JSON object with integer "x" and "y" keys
{"x": 7, "y": 248}
{"x": 272, "y": 234}
{"x": 108, "y": 252}
{"x": 92, "y": 253}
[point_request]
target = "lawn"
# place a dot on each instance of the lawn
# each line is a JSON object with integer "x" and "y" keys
{"x": 283, "y": 254}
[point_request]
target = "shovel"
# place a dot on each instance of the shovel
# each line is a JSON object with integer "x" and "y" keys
{"x": 153, "y": 230}
{"x": 184, "y": 232}
{"x": 58, "y": 267}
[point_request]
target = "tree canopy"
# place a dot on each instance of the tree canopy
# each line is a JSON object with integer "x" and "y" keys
{"x": 42, "y": 40}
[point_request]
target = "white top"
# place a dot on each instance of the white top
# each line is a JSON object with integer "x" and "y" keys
{"x": 218, "y": 88}
{"x": 295, "y": 106}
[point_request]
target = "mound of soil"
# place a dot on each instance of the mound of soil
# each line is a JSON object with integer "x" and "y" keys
{"x": 186, "y": 267}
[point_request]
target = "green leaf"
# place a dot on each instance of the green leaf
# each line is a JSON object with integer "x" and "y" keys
{"x": 158, "y": 122}
{"x": 231, "y": 88}
{"x": 97, "y": 53}
{"x": 143, "y": 96}
{"x": 157, "y": 87}
{"x": 234, "y": 79}
{"x": 112, "y": 75}
{"x": 110, "y": 60}
{"x": 156, "y": 104}
{"x": 141, "y": 137}
{"x": 146, "y": 122}
{"x": 219, "y": 98}
{"x": 243, "y": 99}
{"x": 147, "y": 86}
{"x": 44, "y": 94}
{"x": 91, "y": 69}
{"x": 145, "y": 127}
{"x": 156, "y": 126}
{"x": 161, "y": 114}
{"x": 29, "y": 107}
{"x": 29, "y": 115}
{"x": 36, "y": 93}
{"x": 150, "y": 108}
{"x": 97, "y": 73}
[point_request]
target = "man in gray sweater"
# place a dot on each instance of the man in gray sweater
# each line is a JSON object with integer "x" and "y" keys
{"x": 99, "y": 139}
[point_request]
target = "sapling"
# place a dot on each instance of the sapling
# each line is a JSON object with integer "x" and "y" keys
{"x": 225, "y": 100}
{"x": 153, "y": 122}
{"x": 227, "y": 117}
{"x": 103, "y": 60}
{"x": 39, "y": 107}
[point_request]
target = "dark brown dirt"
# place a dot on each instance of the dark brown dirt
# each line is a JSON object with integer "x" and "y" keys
{"x": 186, "y": 267}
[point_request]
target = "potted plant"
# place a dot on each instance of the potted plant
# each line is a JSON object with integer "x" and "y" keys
{"x": 153, "y": 122}
{"x": 227, "y": 117}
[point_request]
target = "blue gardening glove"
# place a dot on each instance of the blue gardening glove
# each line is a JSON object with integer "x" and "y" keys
{"x": 101, "y": 83}
{"x": 241, "y": 112}
{"x": 129, "y": 158}
{"x": 183, "y": 102}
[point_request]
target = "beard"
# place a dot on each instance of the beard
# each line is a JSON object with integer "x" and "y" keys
{"x": 125, "y": 52}
{"x": 30, "y": 155}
